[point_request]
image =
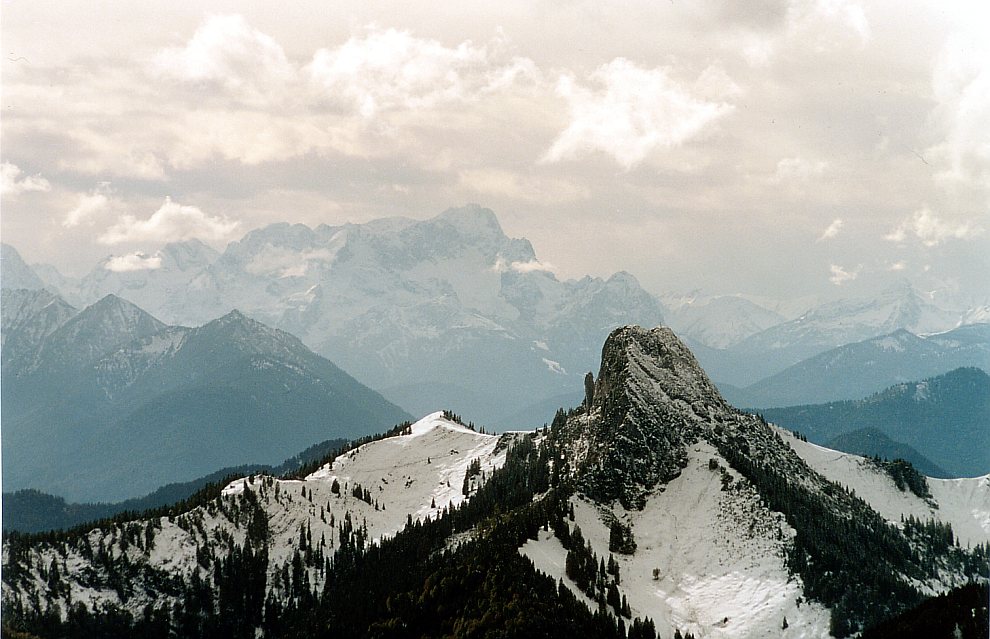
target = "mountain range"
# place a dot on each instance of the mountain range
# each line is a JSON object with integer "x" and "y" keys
{"x": 428, "y": 312}
{"x": 946, "y": 417}
{"x": 109, "y": 403}
{"x": 443, "y": 305}
{"x": 652, "y": 509}
{"x": 858, "y": 369}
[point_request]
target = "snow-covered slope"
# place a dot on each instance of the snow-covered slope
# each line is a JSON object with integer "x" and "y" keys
{"x": 416, "y": 474}
{"x": 963, "y": 503}
{"x": 154, "y": 282}
{"x": 726, "y": 512}
{"x": 719, "y": 555}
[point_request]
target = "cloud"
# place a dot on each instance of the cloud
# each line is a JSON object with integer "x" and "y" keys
{"x": 133, "y": 262}
{"x": 798, "y": 169}
{"x": 228, "y": 53}
{"x": 390, "y": 69}
{"x": 961, "y": 87}
{"x": 632, "y": 112}
{"x": 172, "y": 222}
{"x": 897, "y": 266}
{"x": 828, "y": 24}
{"x": 232, "y": 92}
{"x": 840, "y": 275}
{"x": 529, "y": 266}
{"x": 13, "y": 182}
{"x": 832, "y": 230}
{"x": 932, "y": 230}
{"x": 90, "y": 205}
{"x": 522, "y": 187}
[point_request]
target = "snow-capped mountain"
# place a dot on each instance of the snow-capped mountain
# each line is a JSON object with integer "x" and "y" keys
{"x": 856, "y": 370}
{"x": 28, "y": 317}
{"x": 711, "y": 521}
{"x": 661, "y": 459}
{"x": 427, "y": 312}
{"x": 113, "y": 403}
{"x": 419, "y": 472}
{"x": 14, "y": 272}
{"x": 154, "y": 282}
{"x": 842, "y": 322}
{"x": 718, "y": 321}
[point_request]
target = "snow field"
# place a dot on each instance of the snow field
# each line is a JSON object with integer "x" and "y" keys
{"x": 416, "y": 475}
{"x": 720, "y": 556}
{"x": 962, "y": 503}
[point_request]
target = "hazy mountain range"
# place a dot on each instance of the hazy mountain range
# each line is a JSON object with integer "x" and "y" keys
{"x": 109, "y": 403}
{"x": 946, "y": 418}
{"x": 855, "y": 370}
{"x": 429, "y": 312}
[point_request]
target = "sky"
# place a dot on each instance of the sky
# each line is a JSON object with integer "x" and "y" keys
{"x": 813, "y": 147}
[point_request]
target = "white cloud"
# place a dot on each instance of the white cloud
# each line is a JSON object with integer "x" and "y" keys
{"x": 798, "y": 169}
{"x": 228, "y": 52}
{"x": 13, "y": 182}
{"x": 897, "y": 266}
{"x": 133, "y": 262}
{"x": 388, "y": 69}
{"x": 90, "y": 205}
{"x": 932, "y": 230}
{"x": 634, "y": 112}
{"x": 831, "y": 230}
{"x": 530, "y": 266}
{"x": 840, "y": 275}
{"x": 829, "y": 24}
{"x": 961, "y": 87}
{"x": 522, "y": 187}
{"x": 172, "y": 222}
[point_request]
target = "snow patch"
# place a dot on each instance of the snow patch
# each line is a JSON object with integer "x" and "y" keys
{"x": 554, "y": 367}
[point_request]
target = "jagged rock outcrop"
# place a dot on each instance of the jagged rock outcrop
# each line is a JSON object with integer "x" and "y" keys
{"x": 651, "y": 400}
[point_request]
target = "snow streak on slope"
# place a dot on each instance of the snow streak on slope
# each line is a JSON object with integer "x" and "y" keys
{"x": 417, "y": 474}
{"x": 719, "y": 554}
{"x": 962, "y": 503}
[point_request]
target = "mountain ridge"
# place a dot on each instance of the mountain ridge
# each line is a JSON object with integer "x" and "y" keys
{"x": 130, "y": 403}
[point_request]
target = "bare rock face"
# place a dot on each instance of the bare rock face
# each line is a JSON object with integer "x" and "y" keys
{"x": 652, "y": 399}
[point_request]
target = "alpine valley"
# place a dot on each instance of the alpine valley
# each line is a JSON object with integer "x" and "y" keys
{"x": 652, "y": 509}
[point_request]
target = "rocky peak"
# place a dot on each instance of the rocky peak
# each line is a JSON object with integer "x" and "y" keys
{"x": 236, "y": 333}
{"x": 190, "y": 254}
{"x": 655, "y": 363}
{"x": 472, "y": 218}
{"x": 651, "y": 400}
{"x": 14, "y": 272}
{"x": 115, "y": 314}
